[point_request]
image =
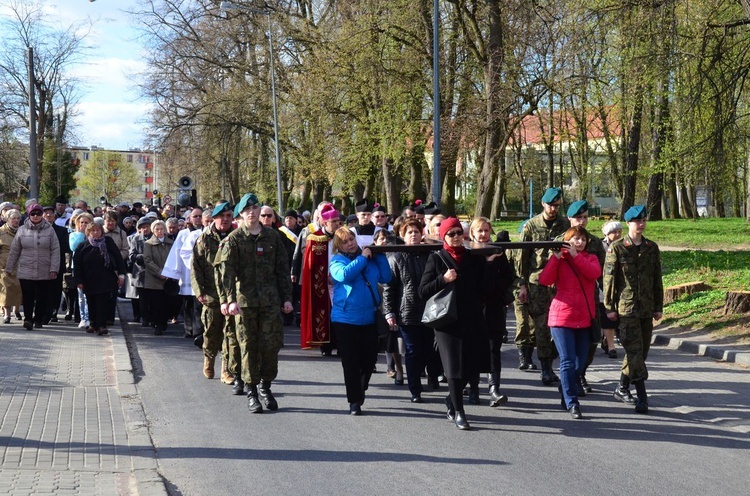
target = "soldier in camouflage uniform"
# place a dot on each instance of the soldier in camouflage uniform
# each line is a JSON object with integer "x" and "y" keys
{"x": 543, "y": 227}
{"x": 254, "y": 274}
{"x": 219, "y": 330}
{"x": 578, "y": 215}
{"x": 633, "y": 291}
{"x": 524, "y": 339}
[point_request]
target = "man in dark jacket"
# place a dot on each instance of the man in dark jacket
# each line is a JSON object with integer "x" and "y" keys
{"x": 57, "y": 285}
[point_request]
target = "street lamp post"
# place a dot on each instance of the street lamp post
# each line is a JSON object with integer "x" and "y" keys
{"x": 225, "y": 6}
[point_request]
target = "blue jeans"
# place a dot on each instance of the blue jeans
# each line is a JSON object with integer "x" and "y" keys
{"x": 573, "y": 347}
{"x": 83, "y": 306}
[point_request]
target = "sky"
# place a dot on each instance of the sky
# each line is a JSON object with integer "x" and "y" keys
{"x": 111, "y": 113}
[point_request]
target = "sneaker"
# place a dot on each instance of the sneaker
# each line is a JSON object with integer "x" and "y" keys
{"x": 83, "y": 324}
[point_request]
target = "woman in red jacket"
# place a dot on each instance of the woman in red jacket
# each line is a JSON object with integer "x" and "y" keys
{"x": 574, "y": 272}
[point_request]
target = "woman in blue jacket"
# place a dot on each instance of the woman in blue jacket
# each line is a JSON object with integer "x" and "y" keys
{"x": 356, "y": 274}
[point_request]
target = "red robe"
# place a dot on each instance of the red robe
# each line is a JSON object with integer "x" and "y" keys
{"x": 315, "y": 302}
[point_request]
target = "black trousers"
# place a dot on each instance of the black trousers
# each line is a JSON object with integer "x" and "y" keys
{"x": 99, "y": 309}
{"x": 55, "y": 294}
{"x": 191, "y": 313}
{"x": 35, "y": 299}
{"x": 157, "y": 307}
{"x": 358, "y": 349}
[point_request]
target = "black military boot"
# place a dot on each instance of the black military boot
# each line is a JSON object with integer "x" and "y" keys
{"x": 266, "y": 397}
{"x": 253, "y": 404}
{"x": 548, "y": 375}
{"x": 523, "y": 362}
{"x": 238, "y": 388}
{"x": 622, "y": 392}
{"x": 496, "y": 399}
{"x": 529, "y": 351}
{"x": 641, "y": 403}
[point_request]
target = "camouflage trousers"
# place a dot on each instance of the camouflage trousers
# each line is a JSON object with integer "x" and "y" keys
{"x": 635, "y": 337}
{"x": 219, "y": 334}
{"x": 261, "y": 334}
{"x": 524, "y": 325}
{"x": 540, "y": 298}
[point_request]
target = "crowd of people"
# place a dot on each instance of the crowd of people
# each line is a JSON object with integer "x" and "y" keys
{"x": 236, "y": 275}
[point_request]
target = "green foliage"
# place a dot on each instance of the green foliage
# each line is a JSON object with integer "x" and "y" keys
{"x": 719, "y": 269}
{"x": 107, "y": 175}
{"x": 52, "y": 173}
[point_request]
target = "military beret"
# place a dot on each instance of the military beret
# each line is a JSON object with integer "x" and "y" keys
{"x": 577, "y": 208}
{"x": 431, "y": 209}
{"x": 551, "y": 194}
{"x": 363, "y": 205}
{"x": 635, "y": 212}
{"x": 221, "y": 208}
{"x": 247, "y": 201}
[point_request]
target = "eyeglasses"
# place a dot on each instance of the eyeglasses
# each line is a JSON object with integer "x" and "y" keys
{"x": 266, "y": 215}
{"x": 35, "y": 213}
{"x": 451, "y": 234}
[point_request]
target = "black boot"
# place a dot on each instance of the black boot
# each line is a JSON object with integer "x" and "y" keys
{"x": 528, "y": 353}
{"x": 548, "y": 376}
{"x": 451, "y": 412}
{"x": 523, "y": 363}
{"x": 641, "y": 404}
{"x": 238, "y": 388}
{"x": 585, "y": 385}
{"x": 461, "y": 421}
{"x": 622, "y": 392}
{"x": 253, "y": 404}
{"x": 562, "y": 397}
{"x": 496, "y": 399}
{"x": 266, "y": 397}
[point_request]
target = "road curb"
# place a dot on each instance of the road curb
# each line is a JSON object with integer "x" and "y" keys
{"x": 145, "y": 463}
{"x": 719, "y": 353}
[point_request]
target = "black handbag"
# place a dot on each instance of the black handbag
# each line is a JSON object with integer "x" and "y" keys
{"x": 594, "y": 328}
{"x": 441, "y": 309}
{"x": 380, "y": 322}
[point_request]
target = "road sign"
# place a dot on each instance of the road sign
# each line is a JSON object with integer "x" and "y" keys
{"x": 167, "y": 199}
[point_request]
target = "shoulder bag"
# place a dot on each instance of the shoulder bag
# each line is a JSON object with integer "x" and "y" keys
{"x": 441, "y": 309}
{"x": 380, "y": 322}
{"x": 594, "y": 332}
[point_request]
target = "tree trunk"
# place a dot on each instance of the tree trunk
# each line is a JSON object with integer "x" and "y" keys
{"x": 390, "y": 196}
{"x": 633, "y": 147}
{"x": 747, "y": 191}
{"x": 495, "y": 129}
{"x": 660, "y": 133}
{"x": 673, "y": 206}
{"x": 498, "y": 200}
{"x": 737, "y": 302}
{"x": 673, "y": 293}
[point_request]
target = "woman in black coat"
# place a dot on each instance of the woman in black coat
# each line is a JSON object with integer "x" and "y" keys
{"x": 464, "y": 345}
{"x": 403, "y": 307}
{"x": 98, "y": 269}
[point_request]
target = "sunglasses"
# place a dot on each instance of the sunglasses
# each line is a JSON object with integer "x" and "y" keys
{"x": 35, "y": 213}
{"x": 266, "y": 215}
{"x": 451, "y": 234}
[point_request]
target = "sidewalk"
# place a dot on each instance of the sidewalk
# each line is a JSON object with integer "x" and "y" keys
{"x": 699, "y": 342}
{"x": 71, "y": 420}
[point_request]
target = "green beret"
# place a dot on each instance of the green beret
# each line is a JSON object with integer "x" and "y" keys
{"x": 221, "y": 208}
{"x": 247, "y": 201}
{"x": 551, "y": 194}
{"x": 577, "y": 208}
{"x": 635, "y": 212}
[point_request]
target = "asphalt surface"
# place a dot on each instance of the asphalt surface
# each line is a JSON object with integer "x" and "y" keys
{"x": 695, "y": 440}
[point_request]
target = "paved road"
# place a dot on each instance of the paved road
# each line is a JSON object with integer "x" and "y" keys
{"x": 695, "y": 440}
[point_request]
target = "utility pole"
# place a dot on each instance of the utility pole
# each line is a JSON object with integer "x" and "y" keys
{"x": 33, "y": 161}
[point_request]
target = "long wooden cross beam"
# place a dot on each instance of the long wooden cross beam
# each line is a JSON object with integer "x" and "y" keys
{"x": 478, "y": 248}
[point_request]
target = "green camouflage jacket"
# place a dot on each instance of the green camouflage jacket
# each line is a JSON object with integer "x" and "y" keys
{"x": 532, "y": 262}
{"x": 632, "y": 279}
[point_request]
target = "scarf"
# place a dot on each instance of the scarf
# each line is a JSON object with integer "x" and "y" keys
{"x": 352, "y": 256}
{"x": 101, "y": 243}
{"x": 456, "y": 253}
